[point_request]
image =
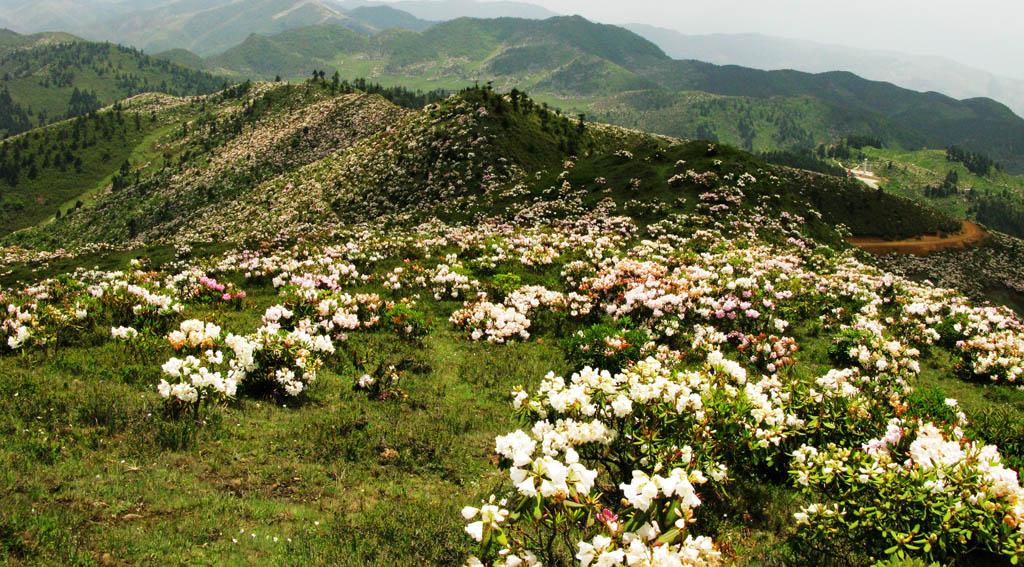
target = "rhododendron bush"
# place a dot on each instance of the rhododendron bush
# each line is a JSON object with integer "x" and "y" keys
{"x": 667, "y": 366}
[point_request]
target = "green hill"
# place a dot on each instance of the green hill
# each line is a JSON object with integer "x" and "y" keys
{"x": 303, "y": 325}
{"x": 994, "y": 198}
{"x": 617, "y": 76}
{"x": 52, "y": 77}
{"x": 315, "y": 154}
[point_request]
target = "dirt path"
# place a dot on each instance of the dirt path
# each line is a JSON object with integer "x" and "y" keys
{"x": 921, "y": 245}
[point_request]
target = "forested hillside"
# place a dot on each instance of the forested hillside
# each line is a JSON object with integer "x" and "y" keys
{"x": 52, "y": 78}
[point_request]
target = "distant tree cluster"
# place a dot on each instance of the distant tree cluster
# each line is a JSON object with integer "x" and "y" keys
{"x": 24, "y": 157}
{"x": 977, "y": 164}
{"x": 82, "y": 102}
{"x": 13, "y": 118}
{"x": 1001, "y": 212}
{"x": 803, "y": 159}
{"x": 400, "y": 96}
{"x": 838, "y": 150}
{"x": 860, "y": 142}
{"x": 948, "y": 188}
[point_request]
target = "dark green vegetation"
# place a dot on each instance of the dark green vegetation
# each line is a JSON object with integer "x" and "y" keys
{"x": 804, "y": 159}
{"x": 54, "y": 170}
{"x": 616, "y": 76}
{"x": 51, "y": 77}
{"x": 290, "y": 138}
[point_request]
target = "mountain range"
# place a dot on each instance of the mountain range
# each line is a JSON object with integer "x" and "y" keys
{"x": 614, "y": 75}
{"x": 606, "y": 72}
{"x": 208, "y": 27}
{"x": 915, "y": 72}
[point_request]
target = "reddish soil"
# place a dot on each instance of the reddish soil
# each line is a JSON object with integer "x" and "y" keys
{"x": 922, "y": 245}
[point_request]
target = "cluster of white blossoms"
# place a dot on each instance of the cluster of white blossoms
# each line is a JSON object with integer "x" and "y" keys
{"x": 194, "y": 334}
{"x": 641, "y": 549}
{"x": 193, "y": 382}
{"x": 147, "y": 300}
{"x": 272, "y": 318}
{"x": 998, "y": 355}
{"x": 643, "y": 489}
{"x": 528, "y": 298}
{"x": 448, "y": 282}
{"x": 289, "y": 360}
{"x": 18, "y": 337}
{"x": 960, "y": 486}
{"x": 123, "y": 333}
{"x": 492, "y": 322}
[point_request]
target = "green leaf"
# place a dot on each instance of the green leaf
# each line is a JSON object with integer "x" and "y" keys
{"x": 669, "y": 536}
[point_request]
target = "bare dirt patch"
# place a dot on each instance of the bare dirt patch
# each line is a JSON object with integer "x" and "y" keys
{"x": 922, "y": 245}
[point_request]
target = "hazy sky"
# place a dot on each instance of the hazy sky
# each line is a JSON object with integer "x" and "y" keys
{"x": 983, "y": 33}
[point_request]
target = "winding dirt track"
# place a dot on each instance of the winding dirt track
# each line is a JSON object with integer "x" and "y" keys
{"x": 922, "y": 245}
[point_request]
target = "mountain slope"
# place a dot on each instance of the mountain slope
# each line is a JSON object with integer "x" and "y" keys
{"x": 207, "y": 28}
{"x": 386, "y": 17}
{"x": 277, "y": 161}
{"x": 51, "y": 77}
{"x": 443, "y": 10}
{"x": 598, "y": 69}
{"x": 915, "y": 72}
{"x": 31, "y": 16}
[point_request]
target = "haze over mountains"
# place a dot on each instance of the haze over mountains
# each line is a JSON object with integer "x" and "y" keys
{"x": 607, "y": 72}
{"x": 213, "y": 26}
{"x": 916, "y": 72}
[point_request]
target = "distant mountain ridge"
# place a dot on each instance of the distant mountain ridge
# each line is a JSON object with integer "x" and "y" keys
{"x": 31, "y": 16}
{"x": 442, "y": 10}
{"x": 385, "y": 17}
{"x": 620, "y": 77}
{"x": 915, "y": 72}
{"x": 209, "y": 27}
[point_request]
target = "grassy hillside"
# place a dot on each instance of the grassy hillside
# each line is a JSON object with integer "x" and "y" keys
{"x": 618, "y": 76}
{"x": 995, "y": 198}
{"x": 327, "y": 330}
{"x": 49, "y": 79}
{"x": 57, "y": 169}
{"x": 274, "y": 161}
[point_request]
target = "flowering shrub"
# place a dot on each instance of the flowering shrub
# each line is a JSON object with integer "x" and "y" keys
{"x": 919, "y": 490}
{"x": 668, "y": 431}
{"x": 194, "y": 286}
{"x": 383, "y": 383}
{"x": 280, "y": 363}
{"x": 606, "y": 347}
{"x": 201, "y": 376}
{"x": 491, "y": 322}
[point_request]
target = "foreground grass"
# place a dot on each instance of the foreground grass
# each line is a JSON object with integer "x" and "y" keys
{"x": 96, "y": 474}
